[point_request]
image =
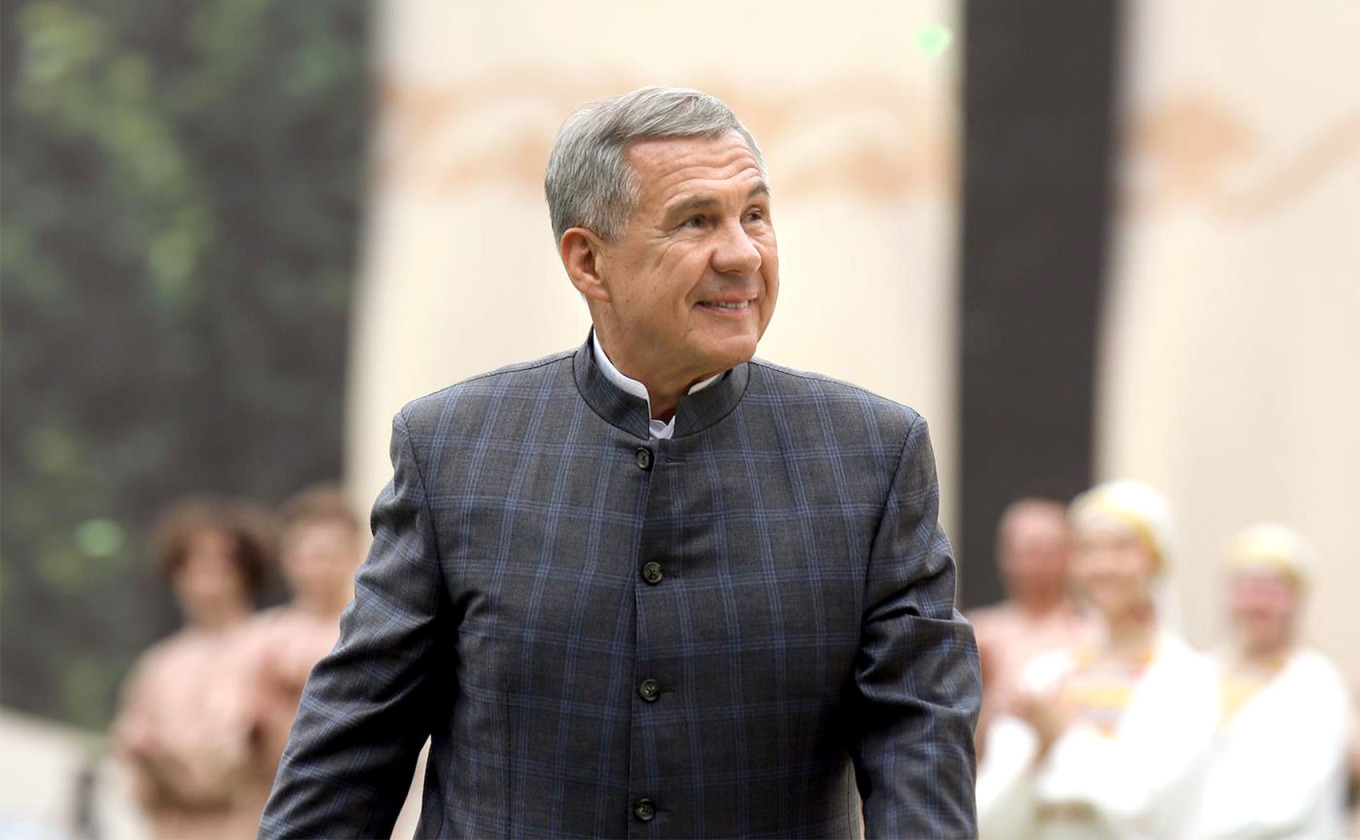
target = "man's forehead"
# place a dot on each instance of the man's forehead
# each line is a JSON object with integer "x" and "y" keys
{"x": 668, "y": 164}
{"x": 1035, "y": 515}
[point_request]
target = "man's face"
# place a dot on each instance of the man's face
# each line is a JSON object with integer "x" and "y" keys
{"x": 319, "y": 557}
{"x": 693, "y": 279}
{"x": 1033, "y": 548}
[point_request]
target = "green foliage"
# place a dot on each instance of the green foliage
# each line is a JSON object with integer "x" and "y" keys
{"x": 179, "y": 195}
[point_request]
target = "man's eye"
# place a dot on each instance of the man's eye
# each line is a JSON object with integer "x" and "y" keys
{"x": 696, "y": 221}
{"x": 755, "y": 216}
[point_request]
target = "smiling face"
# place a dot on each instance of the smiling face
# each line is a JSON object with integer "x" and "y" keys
{"x": 1113, "y": 568}
{"x": 689, "y": 287}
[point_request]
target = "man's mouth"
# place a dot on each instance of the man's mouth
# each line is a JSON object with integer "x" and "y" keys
{"x": 726, "y": 305}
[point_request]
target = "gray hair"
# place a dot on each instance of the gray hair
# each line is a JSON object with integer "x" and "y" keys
{"x": 589, "y": 183}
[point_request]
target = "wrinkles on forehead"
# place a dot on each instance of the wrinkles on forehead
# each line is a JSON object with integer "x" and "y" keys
{"x": 692, "y": 169}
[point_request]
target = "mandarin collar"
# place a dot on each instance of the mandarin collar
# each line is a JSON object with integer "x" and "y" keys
{"x": 694, "y": 413}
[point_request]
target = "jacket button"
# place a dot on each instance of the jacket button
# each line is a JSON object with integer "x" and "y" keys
{"x": 650, "y": 690}
{"x": 644, "y": 810}
{"x": 643, "y": 457}
{"x": 651, "y": 572}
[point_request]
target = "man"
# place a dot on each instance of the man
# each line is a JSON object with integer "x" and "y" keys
{"x": 319, "y": 549}
{"x": 1278, "y": 764}
{"x": 650, "y": 587}
{"x": 1038, "y": 615}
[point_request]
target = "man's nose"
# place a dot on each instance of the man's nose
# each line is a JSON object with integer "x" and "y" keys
{"x": 736, "y": 253}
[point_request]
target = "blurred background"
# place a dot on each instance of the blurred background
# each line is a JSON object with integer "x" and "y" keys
{"x": 1085, "y": 239}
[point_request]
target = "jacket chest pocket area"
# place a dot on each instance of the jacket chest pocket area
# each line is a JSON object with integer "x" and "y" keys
{"x": 546, "y": 626}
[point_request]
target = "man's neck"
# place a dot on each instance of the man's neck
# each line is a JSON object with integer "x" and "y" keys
{"x": 1036, "y": 606}
{"x": 663, "y": 392}
{"x": 663, "y": 403}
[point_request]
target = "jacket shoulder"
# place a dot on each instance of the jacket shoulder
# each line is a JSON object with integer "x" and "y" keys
{"x": 790, "y": 386}
{"x": 521, "y": 378}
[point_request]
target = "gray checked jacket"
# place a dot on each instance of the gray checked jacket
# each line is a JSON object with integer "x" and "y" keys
{"x": 740, "y": 632}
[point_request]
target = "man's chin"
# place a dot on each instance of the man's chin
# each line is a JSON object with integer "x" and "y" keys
{"x": 730, "y": 353}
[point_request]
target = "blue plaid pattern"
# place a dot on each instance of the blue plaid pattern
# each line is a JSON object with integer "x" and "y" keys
{"x": 794, "y": 649}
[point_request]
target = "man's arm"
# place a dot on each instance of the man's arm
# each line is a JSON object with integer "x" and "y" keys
{"x": 917, "y": 687}
{"x": 368, "y": 706}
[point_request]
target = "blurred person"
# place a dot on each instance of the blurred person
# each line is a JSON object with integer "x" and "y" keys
{"x": 1039, "y": 615}
{"x": 1103, "y": 740}
{"x": 1278, "y": 763}
{"x": 1353, "y": 773}
{"x": 183, "y": 727}
{"x": 320, "y": 547}
{"x": 650, "y": 585}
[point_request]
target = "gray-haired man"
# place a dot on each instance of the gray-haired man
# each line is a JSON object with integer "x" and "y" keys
{"x": 650, "y": 587}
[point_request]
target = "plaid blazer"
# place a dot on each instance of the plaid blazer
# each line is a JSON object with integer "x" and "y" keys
{"x": 741, "y": 631}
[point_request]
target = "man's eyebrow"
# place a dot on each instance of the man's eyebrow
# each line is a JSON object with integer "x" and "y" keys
{"x": 689, "y": 205}
{"x": 706, "y": 202}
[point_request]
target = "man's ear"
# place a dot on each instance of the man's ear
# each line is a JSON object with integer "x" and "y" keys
{"x": 582, "y": 255}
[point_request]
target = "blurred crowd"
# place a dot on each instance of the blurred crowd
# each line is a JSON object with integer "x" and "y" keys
{"x": 206, "y": 713}
{"x": 1098, "y": 718}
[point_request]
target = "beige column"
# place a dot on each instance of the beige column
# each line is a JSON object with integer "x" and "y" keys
{"x": 1232, "y": 367}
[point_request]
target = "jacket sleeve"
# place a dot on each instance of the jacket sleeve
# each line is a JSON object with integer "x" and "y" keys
{"x": 917, "y": 686}
{"x": 367, "y": 708}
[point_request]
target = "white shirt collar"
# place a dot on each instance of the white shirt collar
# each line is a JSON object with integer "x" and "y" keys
{"x": 657, "y": 429}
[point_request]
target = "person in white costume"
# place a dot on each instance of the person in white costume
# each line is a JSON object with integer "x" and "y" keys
{"x": 1106, "y": 740}
{"x": 1278, "y": 763}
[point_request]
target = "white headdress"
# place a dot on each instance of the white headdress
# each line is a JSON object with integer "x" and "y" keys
{"x": 1273, "y": 548}
{"x": 1147, "y": 513}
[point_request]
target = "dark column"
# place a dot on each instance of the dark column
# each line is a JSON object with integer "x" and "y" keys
{"x": 1038, "y": 117}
